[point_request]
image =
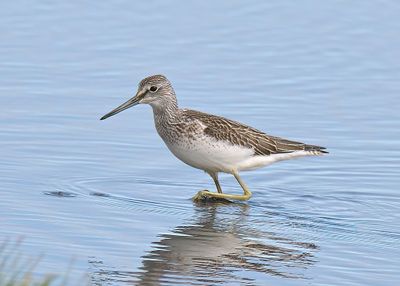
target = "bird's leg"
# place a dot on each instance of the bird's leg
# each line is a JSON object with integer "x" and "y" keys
{"x": 246, "y": 192}
{"x": 206, "y": 194}
{"x": 214, "y": 176}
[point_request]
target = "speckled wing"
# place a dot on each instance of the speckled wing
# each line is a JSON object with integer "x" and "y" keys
{"x": 236, "y": 133}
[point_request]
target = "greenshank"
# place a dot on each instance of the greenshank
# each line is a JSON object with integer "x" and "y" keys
{"x": 212, "y": 143}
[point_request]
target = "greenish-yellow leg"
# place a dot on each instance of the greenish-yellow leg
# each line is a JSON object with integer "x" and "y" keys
{"x": 214, "y": 176}
{"x": 206, "y": 194}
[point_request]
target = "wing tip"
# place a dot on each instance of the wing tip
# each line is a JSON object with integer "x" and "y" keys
{"x": 318, "y": 150}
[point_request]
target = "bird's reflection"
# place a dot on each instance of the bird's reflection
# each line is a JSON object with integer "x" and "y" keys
{"x": 217, "y": 248}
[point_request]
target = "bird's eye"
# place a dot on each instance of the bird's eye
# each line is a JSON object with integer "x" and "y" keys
{"x": 153, "y": 88}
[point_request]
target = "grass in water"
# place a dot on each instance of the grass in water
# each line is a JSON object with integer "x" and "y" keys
{"x": 18, "y": 271}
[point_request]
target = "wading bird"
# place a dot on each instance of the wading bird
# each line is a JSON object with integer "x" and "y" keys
{"x": 209, "y": 142}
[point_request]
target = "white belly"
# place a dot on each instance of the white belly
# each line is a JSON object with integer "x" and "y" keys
{"x": 214, "y": 156}
{"x": 221, "y": 156}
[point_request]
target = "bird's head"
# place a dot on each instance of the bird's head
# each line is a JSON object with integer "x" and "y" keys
{"x": 155, "y": 90}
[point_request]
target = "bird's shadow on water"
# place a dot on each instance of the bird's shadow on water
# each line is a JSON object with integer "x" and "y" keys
{"x": 217, "y": 246}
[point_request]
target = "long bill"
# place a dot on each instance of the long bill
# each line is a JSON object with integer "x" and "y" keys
{"x": 131, "y": 102}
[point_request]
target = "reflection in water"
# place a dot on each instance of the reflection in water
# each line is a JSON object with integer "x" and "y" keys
{"x": 214, "y": 250}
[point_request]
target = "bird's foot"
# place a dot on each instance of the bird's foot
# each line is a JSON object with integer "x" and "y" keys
{"x": 206, "y": 196}
{"x": 200, "y": 196}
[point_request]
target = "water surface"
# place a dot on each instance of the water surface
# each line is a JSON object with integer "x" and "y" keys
{"x": 110, "y": 197}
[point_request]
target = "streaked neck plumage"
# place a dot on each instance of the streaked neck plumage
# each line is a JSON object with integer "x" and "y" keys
{"x": 166, "y": 106}
{"x": 165, "y": 112}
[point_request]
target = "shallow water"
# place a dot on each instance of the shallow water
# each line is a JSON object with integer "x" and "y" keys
{"x": 110, "y": 197}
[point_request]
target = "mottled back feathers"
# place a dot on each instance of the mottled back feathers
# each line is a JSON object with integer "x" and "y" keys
{"x": 223, "y": 129}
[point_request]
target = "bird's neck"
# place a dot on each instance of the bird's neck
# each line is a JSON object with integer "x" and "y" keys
{"x": 165, "y": 111}
{"x": 165, "y": 119}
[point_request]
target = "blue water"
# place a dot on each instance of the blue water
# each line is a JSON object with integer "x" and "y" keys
{"x": 106, "y": 202}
